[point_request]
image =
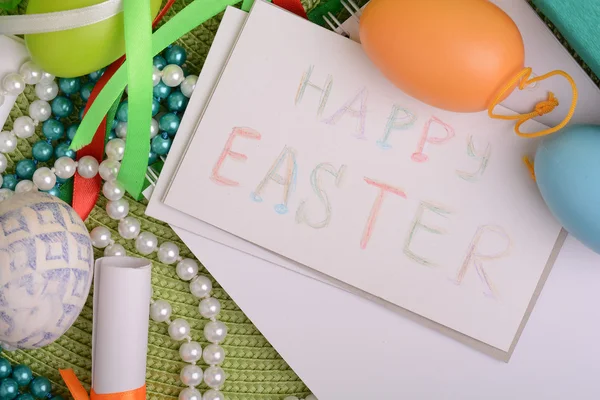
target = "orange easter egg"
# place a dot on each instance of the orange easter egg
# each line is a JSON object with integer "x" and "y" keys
{"x": 451, "y": 54}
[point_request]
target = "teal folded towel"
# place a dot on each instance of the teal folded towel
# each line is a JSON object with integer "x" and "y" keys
{"x": 579, "y": 23}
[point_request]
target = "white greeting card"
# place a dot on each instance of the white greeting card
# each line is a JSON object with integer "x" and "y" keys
{"x": 312, "y": 154}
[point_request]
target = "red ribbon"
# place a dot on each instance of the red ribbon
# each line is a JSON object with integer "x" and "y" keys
{"x": 86, "y": 191}
{"x": 294, "y": 6}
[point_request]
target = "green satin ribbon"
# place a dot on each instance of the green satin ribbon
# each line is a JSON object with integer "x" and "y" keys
{"x": 247, "y": 5}
{"x": 187, "y": 19}
{"x": 138, "y": 49}
{"x": 9, "y": 4}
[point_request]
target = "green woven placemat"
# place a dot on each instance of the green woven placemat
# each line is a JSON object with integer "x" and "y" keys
{"x": 254, "y": 369}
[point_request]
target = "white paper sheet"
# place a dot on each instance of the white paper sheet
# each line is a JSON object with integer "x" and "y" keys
{"x": 553, "y": 361}
{"x": 413, "y": 214}
{"x": 13, "y": 54}
{"x": 122, "y": 294}
{"x": 543, "y": 53}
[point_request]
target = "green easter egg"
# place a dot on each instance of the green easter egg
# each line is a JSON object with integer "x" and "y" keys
{"x": 79, "y": 51}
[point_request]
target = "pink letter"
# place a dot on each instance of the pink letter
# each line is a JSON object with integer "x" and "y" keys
{"x": 383, "y": 188}
{"x": 244, "y": 132}
{"x": 419, "y": 156}
{"x": 475, "y": 258}
{"x": 361, "y": 113}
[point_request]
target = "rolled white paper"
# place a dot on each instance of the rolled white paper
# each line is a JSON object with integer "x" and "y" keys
{"x": 122, "y": 292}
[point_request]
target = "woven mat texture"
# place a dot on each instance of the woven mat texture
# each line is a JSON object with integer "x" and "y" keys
{"x": 254, "y": 369}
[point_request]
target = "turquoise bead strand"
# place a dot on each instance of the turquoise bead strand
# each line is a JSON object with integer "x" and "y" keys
{"x": 17, "y": 382}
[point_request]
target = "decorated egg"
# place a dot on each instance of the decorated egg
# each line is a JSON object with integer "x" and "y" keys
{"x": 79, "y": 51}
{"x": 46, "y": 259}
{"x": 454, "y": 54}
{"x": 567, "y": 168}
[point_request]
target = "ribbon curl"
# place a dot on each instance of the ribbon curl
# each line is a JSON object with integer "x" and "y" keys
{"x": 187, "y": 19}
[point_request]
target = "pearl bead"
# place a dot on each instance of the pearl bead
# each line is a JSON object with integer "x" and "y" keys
{"x": 87, "y": 167}
{"x": 187, "y": 269}
{"x": 179, "y": 329}
{"x": 109, "y": 169}
{"x": 24, "y": 127}
{"x": 172, "y": 75}
{"x": 214, "y": 377}
{"x": 213, "y": 354}
{"x": 215, "y": 331}
{"x": 100, "y": 236}
{"x": 8, "y": 142}
{"x": 160, "y": 311}
{"x": 65, "y": 167}
{"x": 209, "y": 307}
{"x": 47, "y": 77}
{"x": 156, "y": 75}
{"x": 154, "y": 128}
{"x": 115, "y": 250}
{"x": 31, "y": 72}
{"x": 168, "y": 253}
{"x": 117, "y": 209}
{"x": 46, "y": 91}
{"x": 311, "y": 397}
{"x": 190, "y": 394}
{"x": 44, "y": 178}
{"x": 213, "y": 394}
{"x": 200, "y": 286}
{"x": 25, "y": 186}
{"x": 191, "y": 375}
{"x": 113, "y": 190}
{"x": 3, "y": 163}
{"x": 1, "y": 99}
{"x": 5, "y": 194}
{"x": 121, "y": 129}
{"x": 129, "y": 227}
{"x": 13, "y": 83}
{"x": 146, "y": 243}
{"x": 115, "y": 149}
{"x": 188, "y": 85}
{"x": 40, "y": 110}
{"x": 190, "y": 352}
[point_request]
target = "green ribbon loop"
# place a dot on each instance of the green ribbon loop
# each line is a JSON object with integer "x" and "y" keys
{"x": 138, "y": 48}
{"x": 187, "y": 19}
{"x": 9, "y": 4}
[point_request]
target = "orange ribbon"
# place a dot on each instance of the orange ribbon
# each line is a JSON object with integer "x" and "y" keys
{"x": 79, "y": 393}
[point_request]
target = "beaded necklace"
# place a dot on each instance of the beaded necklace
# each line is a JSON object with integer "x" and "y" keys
{"x": 167, "y": 76}
{"x": 17, "y": 382}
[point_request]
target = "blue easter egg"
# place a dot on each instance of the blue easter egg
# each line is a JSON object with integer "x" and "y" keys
{"x": 567, "y": 168}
